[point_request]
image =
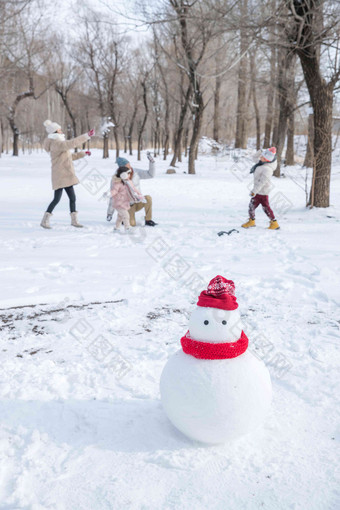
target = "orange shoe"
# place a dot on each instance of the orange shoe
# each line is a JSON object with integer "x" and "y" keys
{"x": 249, "y": 223}
{"x": 273, "y": 225}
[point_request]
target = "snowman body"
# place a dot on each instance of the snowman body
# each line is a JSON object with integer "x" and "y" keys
{"x": 215, "y": 400}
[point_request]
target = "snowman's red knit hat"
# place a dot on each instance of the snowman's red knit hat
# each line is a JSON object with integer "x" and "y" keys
{"x": 219, "y": 294}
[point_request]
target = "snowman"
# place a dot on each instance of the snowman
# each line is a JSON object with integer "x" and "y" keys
{"x": 213, "y": 389}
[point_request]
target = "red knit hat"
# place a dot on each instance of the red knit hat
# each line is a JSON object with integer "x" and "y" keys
{"x": 220, "y": 294}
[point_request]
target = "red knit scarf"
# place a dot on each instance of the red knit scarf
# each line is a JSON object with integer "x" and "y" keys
{"x": 207, "y": 350}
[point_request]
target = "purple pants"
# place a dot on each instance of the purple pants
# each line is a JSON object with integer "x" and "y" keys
{"x": 256, "y": 201}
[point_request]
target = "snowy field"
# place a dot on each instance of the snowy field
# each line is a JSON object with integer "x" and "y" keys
{"x": 90, "y": 318}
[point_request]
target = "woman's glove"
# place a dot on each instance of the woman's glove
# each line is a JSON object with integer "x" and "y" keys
{"x": 88, "y": 153}
{"x": 91, "y": 133}
{"x": 251, "y": 194}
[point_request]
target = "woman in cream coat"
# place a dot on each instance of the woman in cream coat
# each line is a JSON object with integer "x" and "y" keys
{"x": 63, "y": 174}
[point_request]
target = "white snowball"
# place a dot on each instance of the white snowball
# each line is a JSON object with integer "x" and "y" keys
{"x": 215, "y": 401}
{"x": 215, "y": 331}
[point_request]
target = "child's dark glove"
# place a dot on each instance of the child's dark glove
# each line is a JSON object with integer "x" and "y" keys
{"x": 149, "y": 156}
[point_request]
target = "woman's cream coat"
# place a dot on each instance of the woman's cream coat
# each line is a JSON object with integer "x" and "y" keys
{"x": 63, "y": 174}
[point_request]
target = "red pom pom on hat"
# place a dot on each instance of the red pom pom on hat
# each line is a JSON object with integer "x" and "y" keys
{"x": 219, "y": 294}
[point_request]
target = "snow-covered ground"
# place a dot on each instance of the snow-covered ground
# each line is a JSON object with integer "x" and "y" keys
{"x": 89, "y": 319}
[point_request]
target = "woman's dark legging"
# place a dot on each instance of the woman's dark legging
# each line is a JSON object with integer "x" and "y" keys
{"x": 57, "y": 196}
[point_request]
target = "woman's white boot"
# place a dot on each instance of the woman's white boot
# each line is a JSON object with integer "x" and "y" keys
{"x": 74, "y": 220}
{"x": 45, "y": 222}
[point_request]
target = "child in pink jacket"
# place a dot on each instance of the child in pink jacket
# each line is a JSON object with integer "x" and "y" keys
{"x": 124, "y": 194}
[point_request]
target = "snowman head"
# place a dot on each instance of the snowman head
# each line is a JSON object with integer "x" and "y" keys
{"x": 216, "y": 318}
{"x": 215, "y": 325}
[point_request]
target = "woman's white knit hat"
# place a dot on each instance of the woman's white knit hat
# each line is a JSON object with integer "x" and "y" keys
{"x": 51, "y": 127}
{"x": 269, "y": 154}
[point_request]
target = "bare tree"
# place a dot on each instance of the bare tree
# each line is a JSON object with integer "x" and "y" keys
{"x": 313, "y": 31}
{"x": 89, "y": 56}
{"x": 66, "y": 75}
{"x": 26, "y": 57}
{"x": 194, "y": 47}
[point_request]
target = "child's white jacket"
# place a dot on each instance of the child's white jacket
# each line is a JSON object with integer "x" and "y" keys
{"x": 262, "y": 176}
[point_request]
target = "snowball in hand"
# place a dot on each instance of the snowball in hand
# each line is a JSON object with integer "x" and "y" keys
{"x": 213, "y": 389}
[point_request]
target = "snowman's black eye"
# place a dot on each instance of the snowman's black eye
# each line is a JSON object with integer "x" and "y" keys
{"x": 206, "y": 322}
{"x": 224, "y": 323}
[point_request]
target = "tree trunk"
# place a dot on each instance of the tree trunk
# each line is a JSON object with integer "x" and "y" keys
{"x": 240, "y": 138}
{"x": 105, "y": 146}
{"x": 270, "y": 99}
{"x": 74, "y": 125}
{"x": 321, "y": 95}
{"x": 285, "y": 90}
{"x": 216, "y": 128}
{"x": 247, "y": 118}
{"x": 116, "y": 137}
{"x": 309, "y": 157}
{"x": 15, "y": 134}
{"x": 323, "y": 124}
{"x": 12, "y": 113}
{"x": 258, "y": 121}
{"x": 15, "y": 142}
{"x": 156, "y": 140}
{"x": 174, "y": 134}
{"x": 65, "y": 99}
{"x": 132, "y": 125}
{"x": 142, "y": 126}
{"x": 179, "y": 131}
{"x": 130, "y": 146}
{"x": 166, "y": 114}
{"x": 1, "y": 137}
{"x": 276, "y": 114}
{"x": 125, "y": 139}
{"x": 290, "y": 140}
{"x": 166, "y": 144}
{"x": 255, "y": 103}
{"x": 179, "y": 148}
{"x": 186, "y": 140}
{"x": 310, "y": 31}
{"x": 195, "y": 131}
{"x": 83, "y": 129}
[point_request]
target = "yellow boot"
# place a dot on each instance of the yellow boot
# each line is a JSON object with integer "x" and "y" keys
{"x": 250, "y": 223}
{"x": 273, "y": 225}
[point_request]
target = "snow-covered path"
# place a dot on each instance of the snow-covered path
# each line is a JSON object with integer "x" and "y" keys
{"x": 89, "y": 319}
